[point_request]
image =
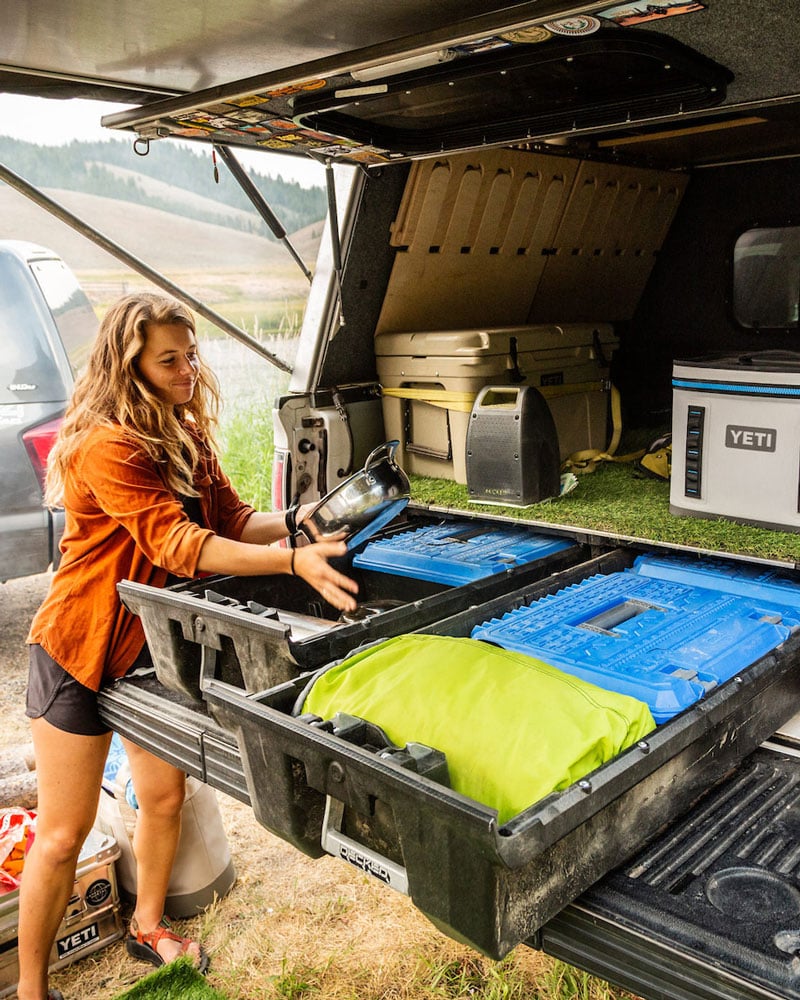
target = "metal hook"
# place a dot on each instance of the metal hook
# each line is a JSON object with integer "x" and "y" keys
{"x": 141, "y": 141}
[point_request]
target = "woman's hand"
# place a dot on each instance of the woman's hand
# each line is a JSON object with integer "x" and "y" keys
{"x": 311, "y": 563}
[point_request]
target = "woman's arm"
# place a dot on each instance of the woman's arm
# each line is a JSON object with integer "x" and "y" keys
{"x": 126, "y": 486}
{"x": 263, "y": 528}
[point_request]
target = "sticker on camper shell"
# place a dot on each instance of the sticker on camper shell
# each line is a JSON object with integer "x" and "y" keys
{"x": 218, "y": 110}
{"x": 581, "y": 25}
{"x": 531, "y": 35}
{"x": 627, "y": 14}
{"x": 193, "y": 120}
{"x": 283, "y": 140}
{"x": 269, "y": 95}
{"x": 367, "y": 155}
{"x": 249, "y": 101}
{"x": 226, "y": 124}
{"x": 195, "y": 117}
{"x": 247, "y": 116}
{"x": 192, "y": 132}
{"x": 280, "y": 124}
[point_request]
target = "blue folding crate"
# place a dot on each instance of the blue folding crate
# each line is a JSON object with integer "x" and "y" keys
{"x": 456, "y": 554}
{"x": 757, "y": 583}
{"x": 663, "y": 641}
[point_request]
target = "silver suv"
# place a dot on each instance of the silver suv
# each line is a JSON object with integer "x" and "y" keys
{"x": 47, "y": 325}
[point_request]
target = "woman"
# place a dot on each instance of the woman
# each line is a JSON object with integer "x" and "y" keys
{"x": 145, "y": 500}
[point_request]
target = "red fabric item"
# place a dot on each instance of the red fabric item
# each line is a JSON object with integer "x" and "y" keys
{"x": 16, "y": 836}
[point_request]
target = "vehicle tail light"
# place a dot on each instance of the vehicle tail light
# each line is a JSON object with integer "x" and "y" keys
{"x": 38, "y": 441}
{"x": 279, "y": 470}
{"x": 280, "y": 464}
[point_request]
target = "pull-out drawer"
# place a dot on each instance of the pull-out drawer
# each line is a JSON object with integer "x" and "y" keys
{"x": 386, "y": 810}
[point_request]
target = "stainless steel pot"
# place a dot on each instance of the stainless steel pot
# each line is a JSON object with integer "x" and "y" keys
{"x": 362, "y": 504}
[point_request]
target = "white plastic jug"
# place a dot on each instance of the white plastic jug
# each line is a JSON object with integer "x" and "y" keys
{"x": 203, "y": 867}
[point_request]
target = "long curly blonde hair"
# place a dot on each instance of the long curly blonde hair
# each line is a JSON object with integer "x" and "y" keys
{"x": 112, "y": 391}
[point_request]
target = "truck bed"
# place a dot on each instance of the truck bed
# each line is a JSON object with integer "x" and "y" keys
{"x": 710, "y": 909}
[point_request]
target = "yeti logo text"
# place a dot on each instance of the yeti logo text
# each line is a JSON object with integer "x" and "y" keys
{"x": 78, "y": 939}
{"x": 751, "y": 438}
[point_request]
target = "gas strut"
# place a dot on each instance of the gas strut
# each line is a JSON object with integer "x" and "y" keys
{"x": 259, "y": 203}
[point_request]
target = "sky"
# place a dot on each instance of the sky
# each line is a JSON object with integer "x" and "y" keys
{"x": 55, "y": 122}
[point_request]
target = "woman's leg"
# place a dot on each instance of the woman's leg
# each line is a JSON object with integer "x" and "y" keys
{"x": 69, "y": 772}
{"x": 160, "y": 791}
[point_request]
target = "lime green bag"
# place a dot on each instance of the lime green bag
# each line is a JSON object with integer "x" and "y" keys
{"x": 513, "y": 728}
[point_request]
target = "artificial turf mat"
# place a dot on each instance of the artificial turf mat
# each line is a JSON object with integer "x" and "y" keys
{"x": 620, "y": 500}
{"x": 178, "y": 980}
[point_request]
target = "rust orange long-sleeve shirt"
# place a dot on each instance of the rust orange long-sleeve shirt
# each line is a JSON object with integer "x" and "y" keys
{"x": 122, "y": 522}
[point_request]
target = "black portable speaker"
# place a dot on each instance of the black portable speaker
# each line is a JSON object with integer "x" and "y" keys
{"x": 513, "y": 455}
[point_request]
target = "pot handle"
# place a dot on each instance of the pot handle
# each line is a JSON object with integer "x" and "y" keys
{"x": 385, "y": 450}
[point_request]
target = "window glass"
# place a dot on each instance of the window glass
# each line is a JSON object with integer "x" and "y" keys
{"x": 766, "y": 278}
{"x": 28, "y": 371}
{"x": 72, "y": 311}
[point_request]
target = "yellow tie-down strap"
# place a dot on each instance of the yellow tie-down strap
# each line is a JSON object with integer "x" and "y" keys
{"x": 464, "y": 401}
{"x": 587, "y": 461}
{"x": 447, "y": 400}
{"x": 579, "y": 461}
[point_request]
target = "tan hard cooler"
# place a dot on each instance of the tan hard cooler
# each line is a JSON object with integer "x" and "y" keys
{"x": 431, "y": 379}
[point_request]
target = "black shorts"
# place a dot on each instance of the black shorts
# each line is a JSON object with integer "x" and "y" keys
{"x": 56, "y": 696}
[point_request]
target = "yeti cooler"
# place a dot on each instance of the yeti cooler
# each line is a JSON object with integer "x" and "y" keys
{"x": 736, "y": 439}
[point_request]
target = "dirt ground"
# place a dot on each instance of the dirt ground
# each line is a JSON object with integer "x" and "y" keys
{"x": 291, "y": 926}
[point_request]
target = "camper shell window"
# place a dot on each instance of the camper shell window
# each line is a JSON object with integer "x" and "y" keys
{"x": 766, "y": 278}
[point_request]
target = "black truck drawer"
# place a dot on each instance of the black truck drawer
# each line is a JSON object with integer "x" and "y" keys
{"x": 488, "y": 885}
{"x": 657, "y": 925}
{"x": 257, "y": 632}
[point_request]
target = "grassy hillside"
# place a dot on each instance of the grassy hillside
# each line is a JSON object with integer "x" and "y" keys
{"x": 170, "y": 177}
{"x": 163, "y": 193}
{"x": 165, "y": 241}
{"x": 168, "y": 210}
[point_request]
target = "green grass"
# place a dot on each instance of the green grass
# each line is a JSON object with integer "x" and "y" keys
{"x": 477, "y": 977}
{"x": 296, "y": 983}
{"x": 247, "y": 451}
{"x": 564, "y": 982}
{"x": 282, "y": 317}
{"x": 617, "y": 499}
{"x": 177, "y": 981}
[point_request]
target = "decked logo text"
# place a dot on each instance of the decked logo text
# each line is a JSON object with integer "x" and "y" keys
{"x": 367, "y": 864}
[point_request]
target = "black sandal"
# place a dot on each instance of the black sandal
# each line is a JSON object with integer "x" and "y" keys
{"x": 55, "y": 995}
